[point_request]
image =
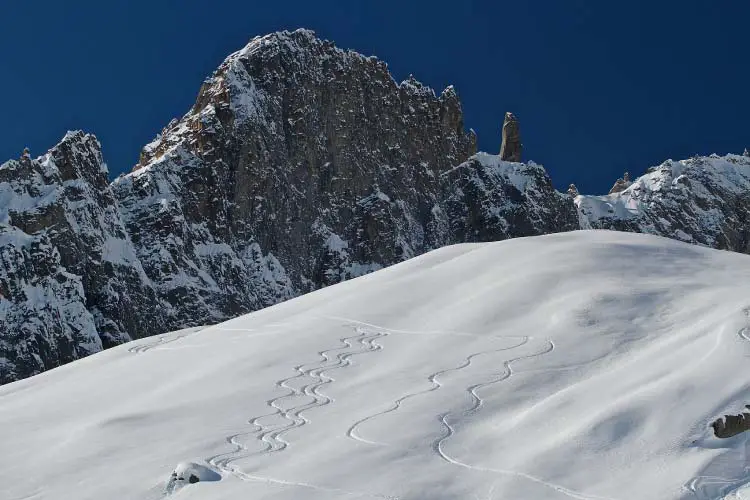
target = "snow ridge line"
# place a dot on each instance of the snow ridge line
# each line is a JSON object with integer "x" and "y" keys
{"x": 436, "y": 384}
{"x": 478, "y": 403}
{"x": 272, "y": 435}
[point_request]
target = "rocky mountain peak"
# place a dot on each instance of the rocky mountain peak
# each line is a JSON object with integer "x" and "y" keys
{"x": 713, "y": 190}
{"x": 61, "y": 223}
{"x": 299, "y": 166}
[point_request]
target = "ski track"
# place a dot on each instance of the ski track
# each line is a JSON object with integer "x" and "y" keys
{"x": 731, "y": 485}
{"x": 272, "y": 436}
{"x": 436, "y": 384}
{"x": 163, "y": 339}
{"x": 478, "y": 403}
{"x": 160, "y": 340}
{"x": 744, "y": 332}
{"x": 730, "y": 489}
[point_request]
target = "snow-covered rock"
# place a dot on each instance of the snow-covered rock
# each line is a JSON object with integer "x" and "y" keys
{"x": 701, "y": 200}
{"x": 487, "y": 199}
{"x": 300, "y": 165}
{"x": 44, "y": 321}
{"x": 59, "y": 207}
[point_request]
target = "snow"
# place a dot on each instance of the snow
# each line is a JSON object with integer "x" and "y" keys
{"x": 730, "y": 173}
{"x": 516, "y": 173}
{"x": 582, "y": 365}
{"x": 247, "y": 100}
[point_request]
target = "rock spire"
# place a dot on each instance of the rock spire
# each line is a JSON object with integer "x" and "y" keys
{"x": 510, "y": 149}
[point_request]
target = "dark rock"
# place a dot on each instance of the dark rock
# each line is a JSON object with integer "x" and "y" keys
{"x": 300, "y": 165}
{"x": 488, "y": 200}
{"x": 510, "y": 149}
{"x": 573, "y": 190}
{"x": 731, "y": 425}
{"x": 60, "y": 208}
{"x": 44, "y": 322}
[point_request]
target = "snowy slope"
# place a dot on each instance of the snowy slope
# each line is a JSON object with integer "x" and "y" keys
{"x": 582, "y": 365}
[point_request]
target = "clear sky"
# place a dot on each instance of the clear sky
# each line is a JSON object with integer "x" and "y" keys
{"x": 598, "y": 86}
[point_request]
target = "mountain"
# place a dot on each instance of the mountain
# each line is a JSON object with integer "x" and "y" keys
{"x": 71, "y": 283}
{"x": 584, "y": 365}
{"x": 702, "y": 200}
{"x": 300, "y": 165}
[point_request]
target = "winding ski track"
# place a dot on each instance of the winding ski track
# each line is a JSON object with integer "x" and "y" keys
{"x": 478, "y": 402}
{"x": 729, "y": 487}
{"x": 744, "y": 332}
{"x": 436, "y": 384}
{"x": 438, "y": 445}
{"x": 272, "y": 436}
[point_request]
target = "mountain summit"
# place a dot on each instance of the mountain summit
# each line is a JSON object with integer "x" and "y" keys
{"x": 299, "y": 166}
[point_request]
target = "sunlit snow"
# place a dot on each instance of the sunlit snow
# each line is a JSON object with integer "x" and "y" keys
{"x": 583, "y": 365}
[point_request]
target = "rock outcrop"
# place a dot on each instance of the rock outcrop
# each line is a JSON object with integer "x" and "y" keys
{"x": 731, "y": 425}
{"x": 65, "y": 249}
{"x": 510, "y": 149}
{"x": 702, "y": 200}
{"x": 621, "y": 184}
{"x": 300, "y": 165}
{"x": 487, "y": 199}
{"x": 44, "y": 321}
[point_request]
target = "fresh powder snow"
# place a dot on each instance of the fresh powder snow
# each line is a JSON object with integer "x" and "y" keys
{"x": 584, "y": 365}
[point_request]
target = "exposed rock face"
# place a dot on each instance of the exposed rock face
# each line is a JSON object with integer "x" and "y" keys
{"x": 731, "y": 425}
{"x": 488, "y": 199}
{"x": 43, "y": 317}
{"x": 621, "y": 184}
{"x": 573, "y": 191}
{"x": 61, "y": 219}
{"x": 702, "y": 200}
{"x": 510, "y": 149}
{"x": 300, "y": 165}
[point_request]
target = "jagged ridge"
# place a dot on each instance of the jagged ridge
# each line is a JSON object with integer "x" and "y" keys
{"x": 300, "y": 165}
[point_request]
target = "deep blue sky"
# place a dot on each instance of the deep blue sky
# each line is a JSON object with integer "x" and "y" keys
{"x": 599, "y": 86}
